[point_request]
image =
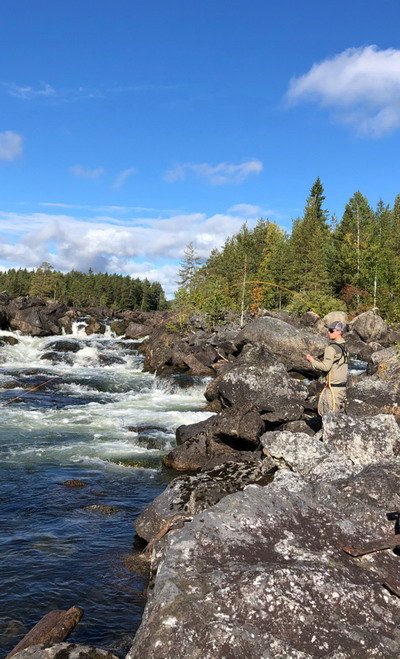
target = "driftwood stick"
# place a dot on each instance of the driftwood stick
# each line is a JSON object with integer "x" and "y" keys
{"x": 371, "y": 547}
{"x": 54, "y": 627}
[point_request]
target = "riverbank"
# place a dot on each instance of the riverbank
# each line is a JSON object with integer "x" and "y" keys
{"x": 261, "y": 517}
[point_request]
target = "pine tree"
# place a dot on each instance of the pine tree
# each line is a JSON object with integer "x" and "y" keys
{"x": 309, "y": 246}
{"x": 190, "y": 263}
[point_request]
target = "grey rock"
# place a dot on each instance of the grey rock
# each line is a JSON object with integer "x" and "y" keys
{"x": 269, "y": 390}
{"x": 286, "y": 342}
{"x": 370, "y": 396}
{"x": 188, "y": 495}
{"x": 369, "y": 326}
{"x": 365, "y": 440}
{"x": 262, "y": 574}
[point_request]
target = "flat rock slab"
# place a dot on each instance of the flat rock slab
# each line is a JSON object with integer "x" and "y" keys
{"x": 262, "y": 574}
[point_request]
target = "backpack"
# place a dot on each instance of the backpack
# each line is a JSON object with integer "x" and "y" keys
{"x": 341, "y": 347}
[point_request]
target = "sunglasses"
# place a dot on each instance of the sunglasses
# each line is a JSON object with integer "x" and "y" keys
{"x": 332, "y": 330}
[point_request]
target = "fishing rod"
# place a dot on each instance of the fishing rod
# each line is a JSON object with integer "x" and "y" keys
{"x": 28, "y": 391}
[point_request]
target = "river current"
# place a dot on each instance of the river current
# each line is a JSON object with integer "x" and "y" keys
{"x": 95, "y": 417}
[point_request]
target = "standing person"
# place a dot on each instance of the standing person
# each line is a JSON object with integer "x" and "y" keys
{"x": 335, "y": 365}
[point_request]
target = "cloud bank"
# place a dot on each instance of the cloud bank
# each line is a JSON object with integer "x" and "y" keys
{"x": 360, "y": 85}
{"x": 142, "y": 246}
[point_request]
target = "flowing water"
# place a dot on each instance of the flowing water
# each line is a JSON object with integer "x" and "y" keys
{"x": 85, "y": 412}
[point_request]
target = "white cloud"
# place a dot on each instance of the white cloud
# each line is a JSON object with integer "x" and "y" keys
{"x": 360, "y": 85}
{"x": 250, "y": 210}
{"x": 149, "y": 247}
{"x": 123, "y": 177}
{"x": 27, "y": 92}
{"x": 10, "y": 145}
{"x": 222, "y": 174}
{"x": 85, "y": 172}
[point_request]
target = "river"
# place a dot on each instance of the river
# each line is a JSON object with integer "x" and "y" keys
{"x": 96, "y": 417}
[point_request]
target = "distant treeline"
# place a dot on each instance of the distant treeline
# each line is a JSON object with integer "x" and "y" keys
{"x": 78, "y": 289}
{"x": 325, "y": 264}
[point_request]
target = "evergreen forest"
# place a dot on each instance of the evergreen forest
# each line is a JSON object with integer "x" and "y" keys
{"x": 78, "y": 289}
{"x": 325, "y": 264}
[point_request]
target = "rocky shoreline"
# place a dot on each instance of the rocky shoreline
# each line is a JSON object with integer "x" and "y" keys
{"x": 246, "y": 547}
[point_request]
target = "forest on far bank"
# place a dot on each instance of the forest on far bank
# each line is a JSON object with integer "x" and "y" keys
{"x": 78, "y": 289}
{"x": 325, "y": 264}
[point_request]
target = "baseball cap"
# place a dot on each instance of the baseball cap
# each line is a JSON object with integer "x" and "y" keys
{"x": 336, "y": 325}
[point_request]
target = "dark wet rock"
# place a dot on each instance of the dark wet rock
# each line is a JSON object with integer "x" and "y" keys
{"x": 94, "y": 326}
{"x": 262, "y": 574}
{"x": 74, "y": 482}
{"x": 364, "y": 440}
{"x": 119, "y": 327}
{"x": 57, "y": 357}
{"x": 369, "y": 326}
{"x": 187, "y": 432}
{"x": 146, "y": 428}
{"x": 104, "y": 509}
{"x": 4, "y": 298}
{"x": 159, "y": 349}
{"x": 34, "y": 316}
{"x": 137, "y": 331}
{"x": 62, "y": 345}
{"x": 189, "y": 495}
{"x": 107, "y": 360}
{"x": 194, "y": 454}
{"x": 301, "y": 425}
{"x": 64, "y": 651}
{"x": 10, "y": 340}
{"x": 4, "y": 324}
{"x": 196, "y": 366}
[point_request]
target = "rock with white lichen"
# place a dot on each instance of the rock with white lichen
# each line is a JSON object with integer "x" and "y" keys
{"x": 262, "y": 574}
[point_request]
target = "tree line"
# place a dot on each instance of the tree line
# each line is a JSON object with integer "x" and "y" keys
{"x": 78, "y": 289}
{"x": 324, "y": 264}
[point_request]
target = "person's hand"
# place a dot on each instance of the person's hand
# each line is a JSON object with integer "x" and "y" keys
{"x": 309, "y": 357}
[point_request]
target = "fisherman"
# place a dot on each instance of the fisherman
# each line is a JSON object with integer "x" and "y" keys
{"x": 335, "y": 365}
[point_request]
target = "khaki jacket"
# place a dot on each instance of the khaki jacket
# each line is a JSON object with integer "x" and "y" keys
{"x": 333, "y": 363}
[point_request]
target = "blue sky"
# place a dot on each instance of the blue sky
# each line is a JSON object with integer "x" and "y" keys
{"x": 130, "y": 128}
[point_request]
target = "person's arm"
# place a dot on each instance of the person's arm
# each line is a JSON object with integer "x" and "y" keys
{"x": 326, "y": 363}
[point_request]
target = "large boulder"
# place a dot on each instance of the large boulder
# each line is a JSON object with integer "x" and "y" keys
{"x": 370, "y": 326}
{"x": 306, "y": 455}
{"x": 223, "y": 436}
{"x": 286, "y": 342}
{"x": 364, "y": 440}
{"x": 369, "y": 396}
{"x": 262, "y": 574}
{"x": 189, "y": 495}
{"x": 269, "y": 390}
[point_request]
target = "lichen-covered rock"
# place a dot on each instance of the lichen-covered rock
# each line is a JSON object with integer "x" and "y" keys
{"x": 188, "y": 495}
{"x": 287, "y": 343}
{"x": 262, "y": 574}
{"x": 370, "y": 396}
{"x": 364, "y": 440}
{"x": 269, "y": 390}
{"x": 305, "y": 455}
{"x": 369, "y": 326}
{"x": 64, "y": 651}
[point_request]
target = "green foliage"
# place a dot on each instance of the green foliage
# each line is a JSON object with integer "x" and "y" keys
{"x": 80, "y": 289}
{"x": 319, "y": 302}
